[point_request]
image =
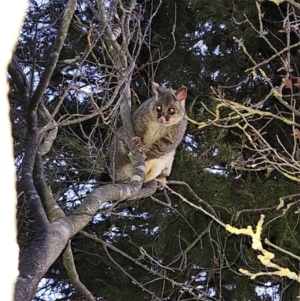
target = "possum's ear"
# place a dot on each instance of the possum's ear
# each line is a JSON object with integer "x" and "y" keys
{"x": 181, "y": 93}
{"x": 156, "y": 89}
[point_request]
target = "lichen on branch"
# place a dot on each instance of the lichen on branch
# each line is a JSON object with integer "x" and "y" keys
{"x": 265, "y": 257}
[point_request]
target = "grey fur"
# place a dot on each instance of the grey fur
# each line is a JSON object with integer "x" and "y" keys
{"x": 160, "y": 139}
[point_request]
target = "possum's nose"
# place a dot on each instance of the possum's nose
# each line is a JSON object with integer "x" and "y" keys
{"x": 162, "y": 119}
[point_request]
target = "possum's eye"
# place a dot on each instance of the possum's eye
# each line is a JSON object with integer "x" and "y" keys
{"x": 171, "y": 111}
{"x": 158, "y": 109}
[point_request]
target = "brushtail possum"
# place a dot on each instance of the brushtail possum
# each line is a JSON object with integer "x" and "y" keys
{"x": 160, "y": 125}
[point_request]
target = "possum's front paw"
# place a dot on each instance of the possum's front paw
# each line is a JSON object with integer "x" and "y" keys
{"x": 161, "y": 182}
{"x": 137, "y": 141}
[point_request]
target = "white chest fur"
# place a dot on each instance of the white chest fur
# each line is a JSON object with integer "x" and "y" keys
{"x": 159, "y": 167}
{"x": 154, "y": 132}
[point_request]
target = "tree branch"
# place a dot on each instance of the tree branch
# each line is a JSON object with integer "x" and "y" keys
{"x": 69, "y": 264}
{"x": 53, "y": 58}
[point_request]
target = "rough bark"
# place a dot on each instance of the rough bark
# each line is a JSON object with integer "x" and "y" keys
{"x": 10, "y": 28}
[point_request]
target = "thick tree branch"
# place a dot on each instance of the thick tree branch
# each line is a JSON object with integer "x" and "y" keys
{"x": 10, "y": 23}
{"x": 49, "y": 243}
{"x": 19, "y": 79}
{"x": 32, "y": 134}
{"x": 50, "y": 205}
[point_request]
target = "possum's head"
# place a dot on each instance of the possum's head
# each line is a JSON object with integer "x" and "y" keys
{"x": 168, "y": 105}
